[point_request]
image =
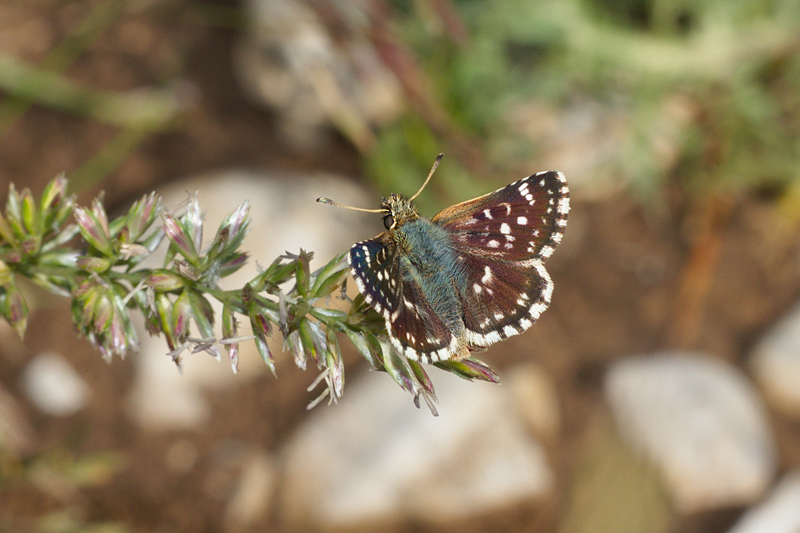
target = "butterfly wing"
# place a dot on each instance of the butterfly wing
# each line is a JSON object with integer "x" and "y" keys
{"x": 502, "y": 240}
{"x": 414, "y": 328}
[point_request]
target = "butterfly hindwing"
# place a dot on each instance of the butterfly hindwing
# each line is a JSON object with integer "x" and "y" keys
{"x": 414, "y": 328}
{"x": 502, "y": 298}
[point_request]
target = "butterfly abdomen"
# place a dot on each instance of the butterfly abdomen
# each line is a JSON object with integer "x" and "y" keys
{"x": 431, "y": 262}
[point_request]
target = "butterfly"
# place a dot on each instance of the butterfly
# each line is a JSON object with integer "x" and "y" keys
{"x": 468, "y": 277}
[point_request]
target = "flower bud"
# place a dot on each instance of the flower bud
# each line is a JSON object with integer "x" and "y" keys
{"x": 180, "y": 316}
{"x": 180, "y": 239}
{"x": 141, "y": 215}
{"x": 14, "y": 308}
{"x": 93, "y": 264}
{"x": 164, "y": 280}
{"x": 93, "y": 231}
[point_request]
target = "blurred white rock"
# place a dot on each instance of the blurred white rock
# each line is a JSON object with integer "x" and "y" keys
{"x": 53, "y": 386}
{"x": 776, "y": 364}
{"x": 779, "y": 513}
{"x": 251, "y": 498}
{"x": 535, "y": 398}
{"x": 285, "y": 217}
{"x": 376, "y": 460}
{"x": 580, "y": 139}
{"x": 317, "y": 70}
{"x": 591, "y": 141}
{"x": 700, "y": 421}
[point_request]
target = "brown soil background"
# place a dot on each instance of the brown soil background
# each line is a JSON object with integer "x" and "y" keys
{"x": 617, "y": 276}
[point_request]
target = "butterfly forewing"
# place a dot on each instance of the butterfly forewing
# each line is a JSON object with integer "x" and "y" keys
{"x": 374, "y": 266}
{"x": 520, "y": 222}
{"x": 414, "y": 329}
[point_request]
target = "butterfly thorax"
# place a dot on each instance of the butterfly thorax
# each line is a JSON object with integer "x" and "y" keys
{"x": 429, "y": 261}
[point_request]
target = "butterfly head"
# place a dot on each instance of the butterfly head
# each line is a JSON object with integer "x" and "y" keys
{"x": 397, "y": 211}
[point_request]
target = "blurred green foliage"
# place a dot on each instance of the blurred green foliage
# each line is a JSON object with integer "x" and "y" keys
{"x": 704, "y": 92}
{"x": 624, "y": 91}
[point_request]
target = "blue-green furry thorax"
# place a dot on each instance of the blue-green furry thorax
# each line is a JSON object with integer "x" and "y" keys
{"x": 427, "y": 258}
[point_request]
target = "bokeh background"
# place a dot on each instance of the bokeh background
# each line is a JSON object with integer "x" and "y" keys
{"x": 659, "y": 393}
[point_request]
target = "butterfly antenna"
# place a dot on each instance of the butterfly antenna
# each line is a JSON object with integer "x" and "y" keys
{"x": 433, "y": 169}
{"x": 328, "y": 201}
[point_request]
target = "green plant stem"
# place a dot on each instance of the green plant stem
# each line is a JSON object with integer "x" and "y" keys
{"x": 139, "y": 110}
{"x": 103, "y": 16}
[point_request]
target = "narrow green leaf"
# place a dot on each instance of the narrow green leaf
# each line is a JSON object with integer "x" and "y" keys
{"x": 202, "y": 312}
{"x": 470, "y": 369}
{"x": 362, "y": 345}
{"x": 30, "y": 217}
{"x": 14, "y": 308}
{"x": 6, "y": 233}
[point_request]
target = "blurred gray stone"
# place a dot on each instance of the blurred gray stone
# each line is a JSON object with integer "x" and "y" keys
{"x": 581, "y": 139}
{"x": 779, "y": 513}
{"x": 700, "y": 421}
{"x": 284, "y": 217}
{"x": 534, "y": 395}
{"x": 591, "y": 141}
{"x": 316, "y": 71}
{"x": 776, "y": 364}
{"x": 53, "y": 386}
{"x": 376, "y": 460}
{"x": 252, "y": 495}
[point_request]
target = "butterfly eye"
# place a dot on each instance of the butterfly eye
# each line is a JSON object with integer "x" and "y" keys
{"x": 388, "y": 221}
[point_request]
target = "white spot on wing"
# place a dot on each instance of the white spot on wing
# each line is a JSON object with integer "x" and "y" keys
{"x": 487, "y": 275}
{"x": 563, "y": 205}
